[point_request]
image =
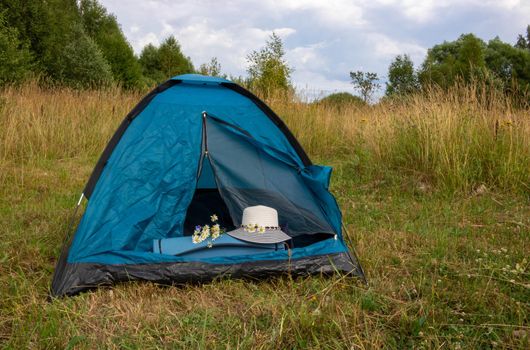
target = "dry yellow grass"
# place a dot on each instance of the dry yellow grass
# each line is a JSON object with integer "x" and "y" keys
{"x": 457, "y": 140}
{"x": 39, "y": 124}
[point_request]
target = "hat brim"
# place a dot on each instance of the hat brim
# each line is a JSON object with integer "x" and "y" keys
{"x": 267, "y": 237}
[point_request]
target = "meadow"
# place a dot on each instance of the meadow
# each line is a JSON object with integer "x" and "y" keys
{"x": 434, "y": 190}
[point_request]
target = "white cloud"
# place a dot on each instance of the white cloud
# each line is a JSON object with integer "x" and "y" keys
{"x": 149, "y": 38}
{"x": 428, "y": 10}
{"x": 284, "y": 32}
{"x": 387, "y": 47}
{"x": 330, "y": 12}
{"x": 308, "y": 57}
{"x": 167, "y": 29}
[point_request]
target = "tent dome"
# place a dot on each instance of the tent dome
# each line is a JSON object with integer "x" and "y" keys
{"x": 197, "y": 146}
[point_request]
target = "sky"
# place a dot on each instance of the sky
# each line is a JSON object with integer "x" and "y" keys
{"x": 324, "y": 39}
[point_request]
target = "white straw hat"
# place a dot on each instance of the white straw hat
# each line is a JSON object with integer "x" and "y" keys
{"x": 260, "y": 225}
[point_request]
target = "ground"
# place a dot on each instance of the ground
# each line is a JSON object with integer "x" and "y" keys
{"x": 445, "y": 270}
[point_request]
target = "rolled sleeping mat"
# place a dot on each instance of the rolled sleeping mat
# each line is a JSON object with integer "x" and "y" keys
{"x": 224, "y": 245}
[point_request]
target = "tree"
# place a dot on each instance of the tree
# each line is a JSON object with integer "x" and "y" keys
{"x": 448, "y": 62}
{"x": 14, "y": 55}
{"x": 268, "y": 70}
{"x": 509, "y": 64}
{"x": 402, "y": 79}
{"x": 82, "y": 64}
{"x": 213, "y": 68}
{"x": 54, "y": 27}
{"x": 159, "y": 64}
{"x": 469, "y": 59}
{"x": 523, "y": 42}
{"x": 366, "y": 83}
{"x": 150, "y": 63}
{"x": 172, "y": 60}
{"x": 104, "y": 29}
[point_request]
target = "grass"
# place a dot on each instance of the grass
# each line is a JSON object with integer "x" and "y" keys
{"x": 434, "y": 192}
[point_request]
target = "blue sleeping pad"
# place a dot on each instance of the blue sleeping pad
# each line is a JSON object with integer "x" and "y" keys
{"x": 225, "y": 245}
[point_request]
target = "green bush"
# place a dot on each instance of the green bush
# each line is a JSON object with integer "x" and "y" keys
{"x": 341, "y": 100}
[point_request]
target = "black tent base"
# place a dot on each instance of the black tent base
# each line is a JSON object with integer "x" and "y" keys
{"x": 80, "y": 277}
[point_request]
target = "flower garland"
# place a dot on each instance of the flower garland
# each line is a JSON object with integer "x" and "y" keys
{"x": 202, "y": 233}
{"x": 251, "y": 228}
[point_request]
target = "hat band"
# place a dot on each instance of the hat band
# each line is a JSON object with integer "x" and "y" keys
{"x": 256, "y": 226}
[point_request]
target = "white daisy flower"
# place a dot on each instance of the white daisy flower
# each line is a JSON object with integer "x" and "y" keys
{"x": 215, "y": 231}
{"x": 214, "y": 218}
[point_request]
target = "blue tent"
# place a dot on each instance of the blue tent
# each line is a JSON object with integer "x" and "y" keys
{"x": 193, "y": 147}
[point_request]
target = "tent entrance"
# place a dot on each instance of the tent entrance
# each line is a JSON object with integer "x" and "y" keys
{"x": 236, "y": 172}
{"x": 206, "y": 201}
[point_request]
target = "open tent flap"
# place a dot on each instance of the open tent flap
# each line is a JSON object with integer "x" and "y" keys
{"x": 249, "y": 173}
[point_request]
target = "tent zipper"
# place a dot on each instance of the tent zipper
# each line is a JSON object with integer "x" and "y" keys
{"x": 205, "y": 133}
{"x": 204, "y": 147}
